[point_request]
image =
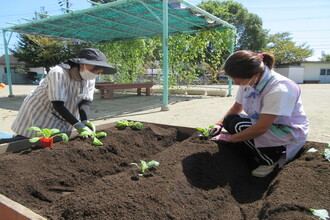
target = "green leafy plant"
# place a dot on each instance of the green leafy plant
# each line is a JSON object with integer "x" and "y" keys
{"x": 47, "y": 133}
{"x": 321, "y": 213}
{"x": 205, "y": 132}
{"x": 134, "y": 125}
{"x": 326, "y": 152}
{"x": 144, "y": 166}
{"x": 95, "y": 136}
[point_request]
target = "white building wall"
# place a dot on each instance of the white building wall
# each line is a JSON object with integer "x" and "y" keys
{"x": 39, "y": 70}
{"x": 295, "y": 73}
{"x": 283, "y": 71}
{"x": 312, "y": 70}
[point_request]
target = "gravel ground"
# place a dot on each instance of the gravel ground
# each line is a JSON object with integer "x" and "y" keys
{"x": 188, "y": 111}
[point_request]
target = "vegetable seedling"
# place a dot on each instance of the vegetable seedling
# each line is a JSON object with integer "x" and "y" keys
{"x": 134, "y": 125}
{"x": 321, "y": 213}
{"x": 205, "y": 132}
{"x": 327, "y": 154}
{"x": 46, "y": 140}
{"x": 95, "y": 136}
{"x": 144, "y": 166}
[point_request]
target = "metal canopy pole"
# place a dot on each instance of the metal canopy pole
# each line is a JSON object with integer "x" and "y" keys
{"x": 230, "y": 81}
{"x": 5, "y": 42}
{"x": 165, "y": 56}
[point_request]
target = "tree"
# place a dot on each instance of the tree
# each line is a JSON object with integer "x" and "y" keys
{"x": 285, "y": 50}
{"x": 325, "y": 57}
{"x": 128, "y": 58}
{"x": 65, "y": 5}
{"x": 250, "y": 34}
{"x": 37, "y": 51}
{"x": 187, "y": 53}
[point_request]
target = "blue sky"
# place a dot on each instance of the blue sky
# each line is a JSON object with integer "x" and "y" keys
{"x": 308, "y": 21}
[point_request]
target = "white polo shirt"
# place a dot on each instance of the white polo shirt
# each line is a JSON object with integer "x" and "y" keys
{"x": 37, "y": 109}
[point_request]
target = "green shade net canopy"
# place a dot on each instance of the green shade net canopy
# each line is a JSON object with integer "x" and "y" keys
{"x": 124, "y": 19}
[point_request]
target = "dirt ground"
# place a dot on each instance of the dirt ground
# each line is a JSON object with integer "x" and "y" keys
{"x": 189, "y": 111}
{"x": 196, "y": 179}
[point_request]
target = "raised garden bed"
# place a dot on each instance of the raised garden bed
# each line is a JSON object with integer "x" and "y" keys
{"x": 196, "y": 179}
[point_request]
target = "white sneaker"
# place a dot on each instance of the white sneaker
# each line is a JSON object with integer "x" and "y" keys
{"x": 263, "y": 170}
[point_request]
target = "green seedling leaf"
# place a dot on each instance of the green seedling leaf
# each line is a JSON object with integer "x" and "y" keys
{"x": 122, "y": 124}
{"x": 97, "y": 142}
{"x": 327, "y": 154}
{"x": 85, "y": 133}
{"x": 47, "y": 132}
{"x": 205, "y": 132}
{"x": 321, "y": 213}
{"x": 33, "y": 129}
{"x": 35, "y": 139}
{"x": 64, "y": 136}
{"x": 101, "y": 134}
{"x": 138, "y": 125}
{"x": 311, "y": 150}
{"x": 152, "y": 163}
{"x": 131, "y": 123}
{"x": 144, "y": 165}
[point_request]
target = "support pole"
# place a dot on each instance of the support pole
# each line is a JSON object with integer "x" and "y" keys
{"x": 230, "y": 81}
{"x": 5, "y": 42}
{"x": 165, "y": 56}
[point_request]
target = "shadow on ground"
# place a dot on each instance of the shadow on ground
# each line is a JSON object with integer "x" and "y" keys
{"x": 130, "y": 104}
{"x": 228, "y": 167}
{"x": 12, "y": 103}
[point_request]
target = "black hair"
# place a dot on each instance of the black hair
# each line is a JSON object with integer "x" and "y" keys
{"x": 245, "y": 63}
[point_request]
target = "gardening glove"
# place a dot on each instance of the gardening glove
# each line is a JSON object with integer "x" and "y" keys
{"x": 89, "y": 125}
{"x": 80, "y": 127}
{"x": 216, "y": 130}
{"x": 222, "y": 138}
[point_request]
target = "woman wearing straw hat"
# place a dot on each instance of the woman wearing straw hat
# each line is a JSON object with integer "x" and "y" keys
{"x": 62, "y": 98}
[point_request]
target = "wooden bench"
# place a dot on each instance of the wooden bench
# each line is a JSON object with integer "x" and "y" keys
{"x": 106, "y": 89}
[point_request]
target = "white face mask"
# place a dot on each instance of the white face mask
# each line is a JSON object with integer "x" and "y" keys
{"x": 87, "y": 75}
{"x": 247, "y": 85}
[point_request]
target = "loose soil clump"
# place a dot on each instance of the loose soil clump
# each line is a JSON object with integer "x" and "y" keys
{"x": 196, "y": 179}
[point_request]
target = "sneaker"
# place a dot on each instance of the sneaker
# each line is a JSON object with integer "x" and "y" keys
{"x": 263, "y": 170}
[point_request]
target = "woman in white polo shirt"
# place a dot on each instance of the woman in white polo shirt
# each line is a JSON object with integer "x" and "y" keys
{"x": 62, "y": 98}
{"x": 275, "y": 125}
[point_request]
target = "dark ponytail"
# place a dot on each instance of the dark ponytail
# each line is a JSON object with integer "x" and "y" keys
{"x": 268, "y": 59}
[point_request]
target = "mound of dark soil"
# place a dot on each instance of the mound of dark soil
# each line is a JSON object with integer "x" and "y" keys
{"x": 196, "y": 179}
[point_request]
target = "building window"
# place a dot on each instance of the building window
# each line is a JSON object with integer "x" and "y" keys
{"x": 12, "y": 70}
{"x": 324, "y": 72}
